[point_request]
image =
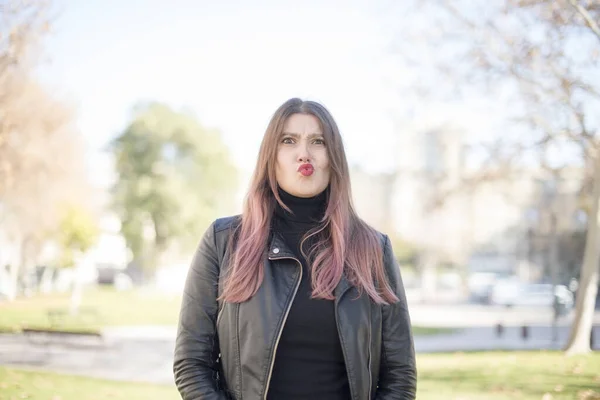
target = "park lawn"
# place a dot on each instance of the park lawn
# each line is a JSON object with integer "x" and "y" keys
{"x": 20, "y": 384}
{"x": 426, "y": 330}
{"x": 102, "y": 307}
{"x": 452, "y": 376}
{"x": 508, "y": 375}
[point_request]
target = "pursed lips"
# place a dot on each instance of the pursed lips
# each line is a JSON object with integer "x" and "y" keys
{"x": 306, "y": 169}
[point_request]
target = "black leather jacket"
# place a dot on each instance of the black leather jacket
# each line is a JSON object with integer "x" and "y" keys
{"x": 376, "y": 340}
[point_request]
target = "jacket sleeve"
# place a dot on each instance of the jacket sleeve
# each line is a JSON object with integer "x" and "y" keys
{"x": 398, "y": 372}
{"x": 196, "y": 346}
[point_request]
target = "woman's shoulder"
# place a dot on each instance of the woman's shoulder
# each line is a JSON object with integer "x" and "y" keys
{"x": 382, "y": 237}
{"x": 218, "y": 233}
{"x": 226, "y": 223}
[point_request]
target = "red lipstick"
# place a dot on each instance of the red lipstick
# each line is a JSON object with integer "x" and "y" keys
{"x": 306, "y": 169}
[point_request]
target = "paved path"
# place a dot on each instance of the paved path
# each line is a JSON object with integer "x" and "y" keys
{"x": 147, "y": 360}
{"x": 145, "y": 353}
{"x": 469, "y": 315}
{"x": 485, "y": 338}
{"x": 150, "y": 359}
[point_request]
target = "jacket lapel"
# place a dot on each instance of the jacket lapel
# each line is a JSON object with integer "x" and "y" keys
{"x": 278, "y": 248}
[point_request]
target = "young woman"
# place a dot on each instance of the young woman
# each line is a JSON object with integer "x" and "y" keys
{"x": 297, "y": 298}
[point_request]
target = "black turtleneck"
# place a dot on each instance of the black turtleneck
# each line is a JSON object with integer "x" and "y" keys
{"x": 309, "y": 363}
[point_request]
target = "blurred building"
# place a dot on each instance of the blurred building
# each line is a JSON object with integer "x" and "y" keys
{"x": 499, "y": 226}
{"x": 111, "y": 247}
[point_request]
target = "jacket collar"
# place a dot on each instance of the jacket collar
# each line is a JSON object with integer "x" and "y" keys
{"x": 278, "y": 249}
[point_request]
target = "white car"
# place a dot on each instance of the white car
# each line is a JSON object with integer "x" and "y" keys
{"x": 512, "y": 293}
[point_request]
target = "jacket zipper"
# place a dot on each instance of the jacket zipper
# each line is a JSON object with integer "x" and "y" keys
{"x": 287, "y": 311}
{"x": 337, "y": 322}
{"x": 219, "y": 314}
{"x": 369, "y": 347}
{"x": 370, "y": 344}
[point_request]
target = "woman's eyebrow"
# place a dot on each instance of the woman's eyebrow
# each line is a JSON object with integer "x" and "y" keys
{"x": 296, "y": 135}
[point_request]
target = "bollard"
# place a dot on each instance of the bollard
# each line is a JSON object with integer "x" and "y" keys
{"x": 499, "y": 330}
{"x": 524, "y": 332}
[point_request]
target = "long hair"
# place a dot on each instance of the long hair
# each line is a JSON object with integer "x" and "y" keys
{"x": 346, "y": 244}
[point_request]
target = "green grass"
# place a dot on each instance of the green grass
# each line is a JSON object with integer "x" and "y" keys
{"x": 423, "y": 331}
{"x": 110, "y": 308}
{"x": 469, "y": 376}
{"x": 18, "y": 384}
{"x": 508, "y": 375}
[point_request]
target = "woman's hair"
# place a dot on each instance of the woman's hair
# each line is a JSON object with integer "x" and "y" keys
{"x": 345, "y": 243}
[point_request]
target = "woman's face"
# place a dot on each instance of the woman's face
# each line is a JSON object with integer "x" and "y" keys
{"x": 302, "y": 167}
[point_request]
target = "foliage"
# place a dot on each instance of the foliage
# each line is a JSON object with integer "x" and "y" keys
{"x": 404, "y": 251}
{"x": 174, "y": 177}
{"x": 78, "y": 231}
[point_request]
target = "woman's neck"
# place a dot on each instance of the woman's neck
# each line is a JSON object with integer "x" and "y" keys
{"x": 304, "y": 210}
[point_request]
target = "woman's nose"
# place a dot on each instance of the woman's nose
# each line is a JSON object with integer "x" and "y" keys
{"x": 303, "y": 153}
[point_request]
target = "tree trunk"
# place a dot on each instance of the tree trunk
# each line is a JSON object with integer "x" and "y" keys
{"x": 428, "y": 271}
{"x": 76, "y": 294}
{"x": 47, "y": 280}
{"x": 77, "y": 290}
{"x": 14, "y": 270}
{"x": 553, "y": 264}
{"x": 13, "y": 280}
{"x": 579, "y": 340}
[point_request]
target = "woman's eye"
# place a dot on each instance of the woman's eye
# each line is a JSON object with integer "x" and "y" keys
{"x": 287, "y": 141}
{"x": 319, "y": 141}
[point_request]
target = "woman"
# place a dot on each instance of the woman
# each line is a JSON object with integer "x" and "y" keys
{"x": 297, "y": 298}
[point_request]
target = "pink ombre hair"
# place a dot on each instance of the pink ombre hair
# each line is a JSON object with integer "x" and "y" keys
{"x": 346, "y": 245}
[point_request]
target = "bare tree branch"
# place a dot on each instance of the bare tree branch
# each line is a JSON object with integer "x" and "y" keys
{"x": 587, "y": 17}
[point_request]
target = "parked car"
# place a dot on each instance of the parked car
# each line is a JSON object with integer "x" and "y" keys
{"x": 514, "y": 294}
{"x": 480, "y": 286}
{"x": 110, "y": 275}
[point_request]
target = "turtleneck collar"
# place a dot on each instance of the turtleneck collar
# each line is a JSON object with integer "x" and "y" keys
{"x": 305, "y": 210}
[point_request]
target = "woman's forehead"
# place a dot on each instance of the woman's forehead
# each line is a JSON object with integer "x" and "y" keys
{"x": 302, "y": 124}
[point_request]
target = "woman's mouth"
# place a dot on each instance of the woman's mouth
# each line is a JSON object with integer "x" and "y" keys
{"x": 306, "y": 169}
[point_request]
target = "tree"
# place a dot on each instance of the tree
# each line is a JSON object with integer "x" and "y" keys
{"x": 20, "y": 28}
{"x": 41, "y": 153}
{"x": 174, "y": 177}
{"x": 78, "y": 232}
{"x": 541, "y": 57}
{"x": 404, "y": 251}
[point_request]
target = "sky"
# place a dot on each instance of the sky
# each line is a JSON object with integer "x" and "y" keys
{"x": 231, "y": 63}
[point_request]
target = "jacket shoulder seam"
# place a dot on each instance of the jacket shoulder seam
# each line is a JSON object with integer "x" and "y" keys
{"x": 225, "y": 223}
